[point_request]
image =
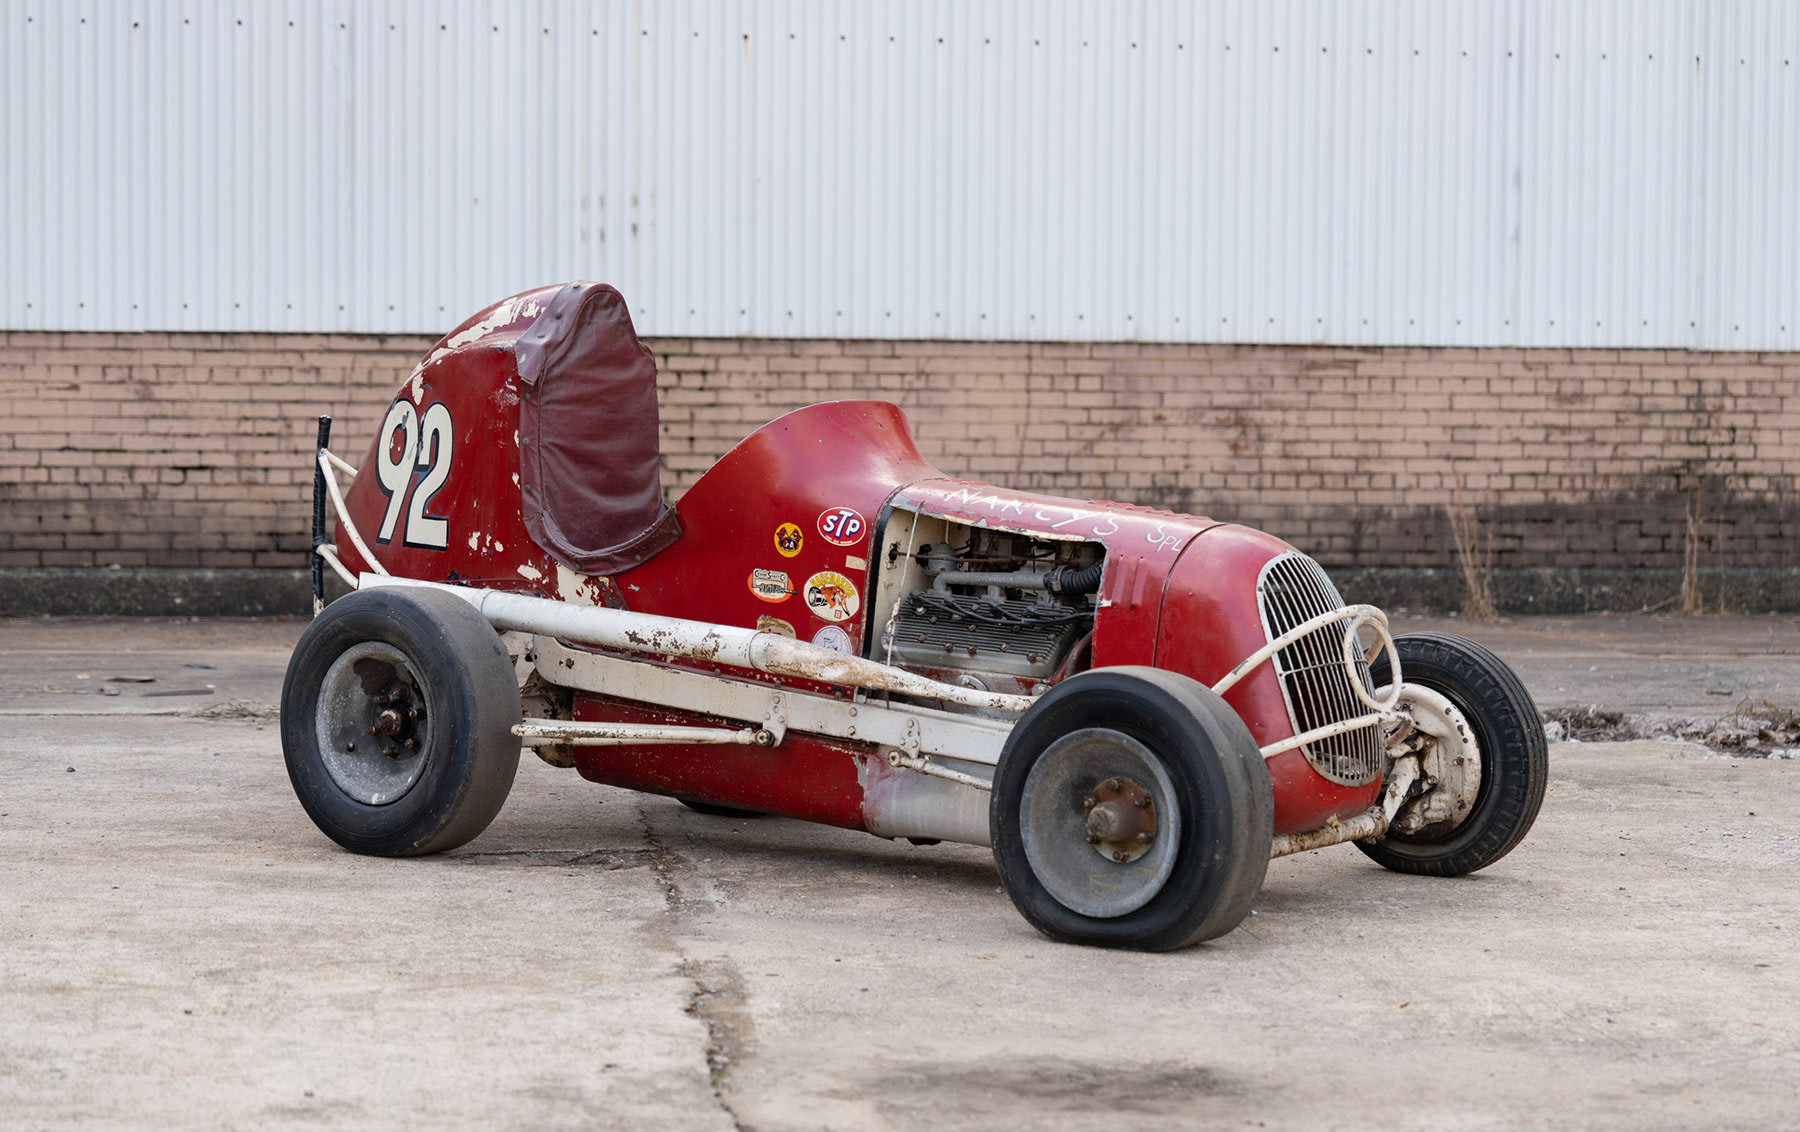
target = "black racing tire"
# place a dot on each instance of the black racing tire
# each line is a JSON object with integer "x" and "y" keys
{"x": 1515, "y": 762}
{"x": 440, "y": 659}
{"x": 1195, "y": 754}
{"x": 711, "y": 809}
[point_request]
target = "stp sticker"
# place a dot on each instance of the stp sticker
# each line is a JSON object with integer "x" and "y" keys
{"x": 833, "y": 638}
{"x": 843, "y": 526}
{"x": 767, "y": 624}
{"x": 832, "y": 596}
{"x": 789, "y": 539}
{"x": 771, "y": 585}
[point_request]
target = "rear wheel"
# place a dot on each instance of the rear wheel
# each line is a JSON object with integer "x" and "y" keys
{"x": 1131, "y": 808}
{"x": 396, "y": 722}
{"x": 1514, "y": 761}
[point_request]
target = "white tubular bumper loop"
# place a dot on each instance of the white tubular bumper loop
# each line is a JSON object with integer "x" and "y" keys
{"x": 1358, "y": 616}
{"x": 328, "y": 551}
{"x": 1373, "y": 719}
{"x": 1377, "y": 620}
{"x": 331, "y": 464}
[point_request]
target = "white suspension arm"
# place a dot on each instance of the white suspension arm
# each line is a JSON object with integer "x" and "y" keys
{"x": 725, "y": 645}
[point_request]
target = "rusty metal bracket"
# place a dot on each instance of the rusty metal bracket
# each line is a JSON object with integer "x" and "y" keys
{"x": 1447, "y": 754}
{"x": 1370, "y": 825}
{"x": 774, "y": 728}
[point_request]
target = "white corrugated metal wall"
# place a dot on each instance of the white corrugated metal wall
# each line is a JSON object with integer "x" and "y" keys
{"x": 1526, "y": 172}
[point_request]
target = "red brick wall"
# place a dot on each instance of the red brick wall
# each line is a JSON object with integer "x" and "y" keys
{"x": 191, "y": 449}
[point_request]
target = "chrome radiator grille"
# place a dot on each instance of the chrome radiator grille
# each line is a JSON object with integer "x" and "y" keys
{"x": 1293, "y": 589}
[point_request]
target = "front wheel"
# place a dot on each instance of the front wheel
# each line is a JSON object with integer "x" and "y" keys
{"x": 1514, "y": 762}
{"x": 396, "y": 722}
{"x": 1131, "y": 808}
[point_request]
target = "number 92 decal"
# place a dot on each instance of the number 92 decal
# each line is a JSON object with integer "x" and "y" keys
{"x": 406, "y": 445}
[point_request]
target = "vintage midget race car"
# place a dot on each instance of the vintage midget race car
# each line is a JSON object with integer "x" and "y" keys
{"x": 1136, "y": 709}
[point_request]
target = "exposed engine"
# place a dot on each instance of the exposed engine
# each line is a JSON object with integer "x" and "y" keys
{"x": 1001, "y": 609}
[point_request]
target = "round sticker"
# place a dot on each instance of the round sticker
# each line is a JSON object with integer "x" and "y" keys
{"x": 832, "y": 596}
{"x": 789, "y": 539}
{"x": 833, "y": 638}
{"x": 843, "y": 526}
{"x": 771, "y": 585}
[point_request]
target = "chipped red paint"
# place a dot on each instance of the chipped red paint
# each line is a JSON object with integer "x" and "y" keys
{"x": 1177, "y": 591}
{"x": 1209, "y": 623}
{"x": 844, "y": 454}
{"x": 806, "y": 777}
{"x": 471, "y": 373}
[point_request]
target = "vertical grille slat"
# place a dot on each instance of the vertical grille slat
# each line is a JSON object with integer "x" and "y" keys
{"x": 1294, "y": 589}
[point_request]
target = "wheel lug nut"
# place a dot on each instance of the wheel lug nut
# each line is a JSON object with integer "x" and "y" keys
{"x": 1143, "y": 801}
{"x": 1112, "y": 784}
{"x": 416, "y": 713}
{"x": 371, "y": 729}
{"x": 1119, "y": 857}
{"x": 390, "y": 752}
{"x": 380, "y": 701}
{"x": 1089, "y": 802}
{"x": 1093, "y": 839}
{"x": 412, "y": 744}
{"x": 1144, "y": 838}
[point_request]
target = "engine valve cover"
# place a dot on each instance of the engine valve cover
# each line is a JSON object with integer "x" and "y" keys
{"x": 930, "y": 633}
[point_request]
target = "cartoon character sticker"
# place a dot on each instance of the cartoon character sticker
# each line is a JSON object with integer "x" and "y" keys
{"x": 767, "y": 624}
{"x": 789, "y": 538}
{"x": 843, "y": 526}
{"x": 833, "y": 638}
{"x": 832, "y": 596}
{"x": 771, "y": 585}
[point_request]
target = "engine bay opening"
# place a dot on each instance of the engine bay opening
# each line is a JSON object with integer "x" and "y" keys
{"x": 984, "y": 607}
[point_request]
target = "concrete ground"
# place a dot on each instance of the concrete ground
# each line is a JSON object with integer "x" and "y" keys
{"x": 179, "y": 947}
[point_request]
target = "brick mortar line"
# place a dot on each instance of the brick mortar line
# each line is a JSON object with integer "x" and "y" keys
{"x": 1277, "y": 436}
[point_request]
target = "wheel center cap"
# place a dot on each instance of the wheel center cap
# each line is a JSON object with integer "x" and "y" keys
{"x": 1121, "y": 820}
{"x": 395, "y": 718}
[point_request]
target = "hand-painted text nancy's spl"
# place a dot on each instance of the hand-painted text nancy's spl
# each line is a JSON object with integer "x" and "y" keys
{"x": 1100, "y": 524}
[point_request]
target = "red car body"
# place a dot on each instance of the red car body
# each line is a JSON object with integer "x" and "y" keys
{"x": 807, "y": 496}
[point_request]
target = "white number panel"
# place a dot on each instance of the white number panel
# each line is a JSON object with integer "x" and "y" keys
{"x": 407, "y": 445}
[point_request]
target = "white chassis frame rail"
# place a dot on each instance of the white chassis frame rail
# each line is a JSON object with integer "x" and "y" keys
{"x": 910, "y": 735}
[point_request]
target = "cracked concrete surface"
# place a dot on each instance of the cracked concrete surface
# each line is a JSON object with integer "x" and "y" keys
{"x": 177, "y": 951}
{"x": 601, "y": 959}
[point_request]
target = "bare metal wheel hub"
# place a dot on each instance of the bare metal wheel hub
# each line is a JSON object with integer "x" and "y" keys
{"x": 396, "y": 722}
{"x": 1099, "y": 822}
{"x": 1121, "y": 820}
{"x": 371, "y": 723}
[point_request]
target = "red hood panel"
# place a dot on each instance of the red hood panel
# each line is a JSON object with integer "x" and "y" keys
{"x": 1142, "y": 547}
